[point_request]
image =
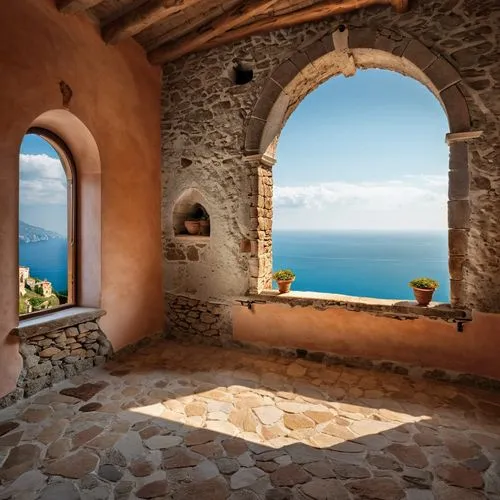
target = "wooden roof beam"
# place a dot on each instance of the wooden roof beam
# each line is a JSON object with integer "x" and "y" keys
{"x": 143, "y": 17}
{"x": 74, "y": 6}
{"x": 400, "y": 6}
{"x": 192, "y": 42}
{"x": 315, "y": 12}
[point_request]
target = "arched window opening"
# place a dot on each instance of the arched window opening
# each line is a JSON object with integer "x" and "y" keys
{"x": 360, "y": 188}
{"x": 47, "y": 246}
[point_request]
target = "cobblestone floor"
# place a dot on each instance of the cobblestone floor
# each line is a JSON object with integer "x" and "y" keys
{"x": 191, "y": 422}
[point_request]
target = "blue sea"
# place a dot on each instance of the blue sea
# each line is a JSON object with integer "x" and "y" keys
{"x": 47, "y": 260}
{"x": 360, "y": 263}
{"x": 363, "y": 263}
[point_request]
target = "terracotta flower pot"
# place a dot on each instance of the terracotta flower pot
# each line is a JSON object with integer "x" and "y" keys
{"x": 284, "y": 285}
{"x": 192, "y": 226}
{"x": 205, "y": 227}
{"x": 423, "y": 296}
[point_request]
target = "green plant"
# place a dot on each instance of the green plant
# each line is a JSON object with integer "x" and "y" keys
{"x": 424, "y": 283}
{"x": 284, "y": 275}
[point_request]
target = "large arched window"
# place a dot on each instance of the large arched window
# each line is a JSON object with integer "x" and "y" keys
{"x": 47, "y": 246}
{"x": 360, "y": 188}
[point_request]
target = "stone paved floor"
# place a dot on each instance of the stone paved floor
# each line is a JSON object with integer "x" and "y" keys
{"x": 183, "y": 422}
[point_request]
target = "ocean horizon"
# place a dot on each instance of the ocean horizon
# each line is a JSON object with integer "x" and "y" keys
{"x": 363, "y": 263}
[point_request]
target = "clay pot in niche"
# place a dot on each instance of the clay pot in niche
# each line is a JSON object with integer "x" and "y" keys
{"x": 192, "y": 226}
{"x": 205, "y": 227}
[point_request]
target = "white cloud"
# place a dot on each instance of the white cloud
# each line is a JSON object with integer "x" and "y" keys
{"x": 411, "y": 202}
{"x": 42, "y": 180}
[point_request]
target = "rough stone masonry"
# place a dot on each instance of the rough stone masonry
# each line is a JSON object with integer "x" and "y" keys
{"x": 56, "y": 355}
{"x": 206, "y": 119}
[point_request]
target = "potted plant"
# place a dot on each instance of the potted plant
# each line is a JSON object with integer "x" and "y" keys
{"x": 423, "y": 289}
{"x": 192, "y": 225}
{"x": 284, "y": 278}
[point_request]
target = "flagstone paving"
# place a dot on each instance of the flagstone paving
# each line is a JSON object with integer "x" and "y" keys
{"x": 180, "y": 422}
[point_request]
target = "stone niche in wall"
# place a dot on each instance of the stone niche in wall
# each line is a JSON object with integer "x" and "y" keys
{"x": 190, "y": 218}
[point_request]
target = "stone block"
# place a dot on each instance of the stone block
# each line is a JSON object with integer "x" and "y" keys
{"x": 285, "y": 73}
{"x": 72, "y": 331}
{"x": 60, "y": 355}
{"x": 319, "y": 48}
{"x": 39, "y": 370}
{"x": 456, "y": 109}
{"x": 300, "y": 60}
{"x": 384, "y": 43}
{"x": 456, "y": 267}
{"x": 69, "y": 370}
{"x": 253, "y": 136}
{"x": 457, "y": 242}
{"x": 31, "y": 360}
{"x": 270, "y": 94}
{"x": 27, "y": 349}
{"x": 88, "y": 326}
{"x": 458, "y": 184}
{"x": 49, "y": 352}
{"x": 175, "y": 254}
{"x": 442, "y": 74}
{"x": 419, "y": 54}
{"x": 33, "y": 386}
{"x": 458, "y": 214}
{"x": 457, "y": 293}
{"x": 192, "y": 254}
{"x": 84, "y": 364}
{"x": 57, "y": 374}
{"x": 245, "y": 246}
{"x": 459, "y": 156}
{"x": 361, "y": 38}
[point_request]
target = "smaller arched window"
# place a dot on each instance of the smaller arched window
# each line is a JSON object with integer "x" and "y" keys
{"x": 47, "y": 219}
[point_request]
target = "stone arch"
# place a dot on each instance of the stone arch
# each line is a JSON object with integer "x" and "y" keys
{"x": 344, "y": 52}
{"x": 85, "y": 155}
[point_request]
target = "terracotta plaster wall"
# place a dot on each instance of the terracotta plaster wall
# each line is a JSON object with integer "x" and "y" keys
{"x": 116, "y": 96}
{"x": 420, "y": 342}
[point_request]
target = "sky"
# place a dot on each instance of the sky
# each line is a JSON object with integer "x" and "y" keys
{"x": 365, "y": 152}
{"x": 42, "y": 186}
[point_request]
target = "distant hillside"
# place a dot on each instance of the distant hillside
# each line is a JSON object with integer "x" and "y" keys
{"x": 32, "y": 234}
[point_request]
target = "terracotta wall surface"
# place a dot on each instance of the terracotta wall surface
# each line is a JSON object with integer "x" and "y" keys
{"x": 116, "y": 96}
{"x": 420, "y": 342}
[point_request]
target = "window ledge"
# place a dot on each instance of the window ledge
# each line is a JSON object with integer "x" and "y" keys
{"x": 385, "y": 307}
{"x": 192, "y": 238}
{"x": 57, "y": 320}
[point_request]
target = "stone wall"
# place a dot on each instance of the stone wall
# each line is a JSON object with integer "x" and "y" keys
{"x": 206, "y": 119}
{"x": 207, "y": 322}
{"x": 57, "y": 354}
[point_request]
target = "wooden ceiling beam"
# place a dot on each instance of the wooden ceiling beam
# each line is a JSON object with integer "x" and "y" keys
{"x": 315, "y": 12}
{"x": 74, "y": 6}
{"x": 143, "y": 17}
{"x": 400, "y": 6}
{"x": 196, "y": 40}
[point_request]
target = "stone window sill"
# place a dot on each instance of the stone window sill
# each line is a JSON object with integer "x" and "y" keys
{"x": 383, "y": 307}
{"x": 40, "y": 325}
{"x": 192, "y": 238}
